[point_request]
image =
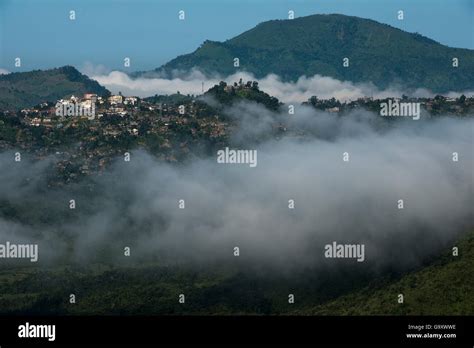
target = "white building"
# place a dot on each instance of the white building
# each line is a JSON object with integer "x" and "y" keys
{"x": 115, "y": 99}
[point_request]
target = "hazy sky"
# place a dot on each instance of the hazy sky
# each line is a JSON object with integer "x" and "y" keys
{"x": 149, "y": 32}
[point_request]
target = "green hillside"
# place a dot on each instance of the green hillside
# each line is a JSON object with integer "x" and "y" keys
{"x": 26, "y": 89}
{"x": 316, "y": 44}
{"x": 172, "y": 99}
{"x": 444, "y": 288}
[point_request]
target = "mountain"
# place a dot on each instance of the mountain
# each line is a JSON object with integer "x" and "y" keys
{"x": 317, "y": 44}
{"x": 26, "y": 89}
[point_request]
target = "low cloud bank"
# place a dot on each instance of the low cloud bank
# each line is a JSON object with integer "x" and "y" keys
{"x": 194, "y": 82}
{"x": 136, "y": 203}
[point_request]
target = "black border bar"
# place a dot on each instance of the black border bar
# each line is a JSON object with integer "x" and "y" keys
{"x": 240, "y": 329}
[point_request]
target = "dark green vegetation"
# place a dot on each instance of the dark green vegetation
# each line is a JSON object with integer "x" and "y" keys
{"x": 317, "y": 44}
{"x": 446, "y": 287}
{"x": 172, "y": 99}
{"x": 227, "y": 95}
{"x": 443, "y": 287}
{"x": 26, "y": 89}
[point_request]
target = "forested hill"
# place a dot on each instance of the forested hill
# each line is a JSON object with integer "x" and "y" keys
{"x": 317, "y": 44}
{"x": 26, "y": 89}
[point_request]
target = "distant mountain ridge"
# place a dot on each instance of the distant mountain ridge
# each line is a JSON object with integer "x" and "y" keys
{"x": 26, "y": 89}
{"x": 317, "y": 44}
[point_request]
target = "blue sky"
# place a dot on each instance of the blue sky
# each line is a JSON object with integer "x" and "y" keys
{"x": 149, "y": 32}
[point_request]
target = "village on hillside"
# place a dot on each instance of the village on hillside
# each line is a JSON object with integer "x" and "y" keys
{"x": 84, "y": 133}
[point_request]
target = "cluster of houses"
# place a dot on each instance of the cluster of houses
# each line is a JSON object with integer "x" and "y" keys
{"x": 89, "y": 106}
